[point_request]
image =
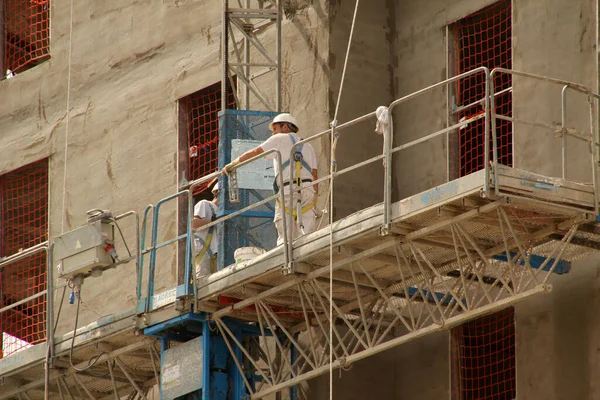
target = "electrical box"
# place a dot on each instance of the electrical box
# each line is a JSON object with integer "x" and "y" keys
{"x": 85, "y": 251}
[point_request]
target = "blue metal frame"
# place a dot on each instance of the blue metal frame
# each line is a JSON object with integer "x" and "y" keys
{"x": 536, "y": 262}
{"x": 213, "y": 384}
{"x": 251, "y": 125}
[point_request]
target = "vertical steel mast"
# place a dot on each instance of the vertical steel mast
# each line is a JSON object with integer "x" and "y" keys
{"x": 254, "y": 55}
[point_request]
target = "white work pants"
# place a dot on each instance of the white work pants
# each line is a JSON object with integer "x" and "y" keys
{"x": 309, "y": 217}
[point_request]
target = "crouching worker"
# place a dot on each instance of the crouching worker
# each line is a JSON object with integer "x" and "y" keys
{"x": 205, "y": 239}
{"x": 304, "y": 162}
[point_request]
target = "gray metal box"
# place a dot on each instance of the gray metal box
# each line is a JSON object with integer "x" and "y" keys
{"x": 181, "y": 369}
{"x": 80, "y": 251}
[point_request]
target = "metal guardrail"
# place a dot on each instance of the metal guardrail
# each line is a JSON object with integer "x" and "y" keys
{"x": 489, "y": 116}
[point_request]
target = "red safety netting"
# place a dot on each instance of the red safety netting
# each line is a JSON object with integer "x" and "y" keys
{"x": 484, "y": 39}
{"x": 202, "y": 120}
{"x": 26, "y": 34}
{"x": 484, "y": 358}
{"x": 23, "y": 224}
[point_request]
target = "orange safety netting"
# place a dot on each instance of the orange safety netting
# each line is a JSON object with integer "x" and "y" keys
{"x": 26, "y": 34}
{"x": 23, "y": 224}
{"x": 484, "y": 358}
{"x": 484, "y": 39}
{"x": 202, "y": 120}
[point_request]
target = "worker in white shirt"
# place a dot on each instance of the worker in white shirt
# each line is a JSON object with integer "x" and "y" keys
{"x": 205, "y": 239}
{"x": 304, "y": 163}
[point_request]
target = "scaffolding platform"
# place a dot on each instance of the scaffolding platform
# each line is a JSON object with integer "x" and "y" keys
{"x": 453, "y": 253}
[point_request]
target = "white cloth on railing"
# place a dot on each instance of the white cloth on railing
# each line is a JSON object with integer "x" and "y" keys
{"x": 382, "y": 115}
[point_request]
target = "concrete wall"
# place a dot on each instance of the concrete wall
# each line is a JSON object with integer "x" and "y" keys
{"x": 417, "y": 370}
{"x": 563, "y": 47}
{"x": 367, "y": 85}
{"x": 130, "y": 63}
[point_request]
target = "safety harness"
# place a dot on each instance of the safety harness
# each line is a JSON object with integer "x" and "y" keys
{"x": 206, "y": 242}
{"x": 299, "y": 164}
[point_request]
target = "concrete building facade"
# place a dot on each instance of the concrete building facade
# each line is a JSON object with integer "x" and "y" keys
{"x": 104, "y": 111}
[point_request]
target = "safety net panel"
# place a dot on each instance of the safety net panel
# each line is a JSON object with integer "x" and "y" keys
{"x": 23, "y": 224}
{"x": 484, "y": 39}
{"x": 201, "y": 113}
{"x": 26, "y": 33}
{"x": 484, "y": 358}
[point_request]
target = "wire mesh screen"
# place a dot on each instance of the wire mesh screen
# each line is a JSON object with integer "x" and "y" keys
{"x": 201, "y": 111}
{"x": 26, "y": 33}
{"x": 484, "y": 358}
{"x": 23, "y": 224}
{"x": 484, "y": 39}
{"x": 240, "y": 131}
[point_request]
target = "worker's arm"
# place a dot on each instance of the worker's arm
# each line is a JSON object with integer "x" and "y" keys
{"x": 244, "y": 157}
{"x": 200, "y": 222}
{"x": 315, "y": 175}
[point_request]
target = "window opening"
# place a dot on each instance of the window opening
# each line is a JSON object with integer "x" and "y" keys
{"x": 200, "y": 120}
{"x": 484, "y": 39}
{"x": 23, "y": 224}
{"x": 484, "y": 357}
{"x": 25, "y": 34}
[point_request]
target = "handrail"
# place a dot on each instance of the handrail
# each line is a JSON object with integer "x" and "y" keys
{"x": 489, "y": 112}
{"x": 41, "y": 247}
{"x": 141, "y": 247}
{"x": 566, "y": 86}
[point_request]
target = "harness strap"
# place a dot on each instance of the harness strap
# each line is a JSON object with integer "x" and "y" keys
{"x": 206, "y": 243}
{"x": 295, "y": 212}
{"x": 205, "y": 246}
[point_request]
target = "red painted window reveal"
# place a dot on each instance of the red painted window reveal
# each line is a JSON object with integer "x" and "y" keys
{"x": 484, "y": 39}
{"x": 23, "y": 224}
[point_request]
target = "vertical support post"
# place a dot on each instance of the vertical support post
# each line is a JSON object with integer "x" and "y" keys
{"x": 225, "y": 53}
{"x": 49, "y": 315}
{"x": 563, "y": 111}
{"x": 490, "y": 112}
{"x": 278, "y": 56}
{"x": 164, "y": 345}
{"x": 594, "y": 144}
{"x": 387, "y": 166}
{"x": 247, "y": 67}
{"x": 2, "y": 40}
{"x": 206, "y": 360}
{"x": 293, "y": 390}
{"x": 239, "y": 392}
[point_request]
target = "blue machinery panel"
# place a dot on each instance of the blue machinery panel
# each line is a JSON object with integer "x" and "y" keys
{"x": 253, "y": 228}
{"x": 221, "y": 378}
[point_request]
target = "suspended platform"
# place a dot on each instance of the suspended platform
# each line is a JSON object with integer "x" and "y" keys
{"x": 453, "y": 254}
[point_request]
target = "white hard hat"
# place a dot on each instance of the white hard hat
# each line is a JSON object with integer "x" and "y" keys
{"x": 285, "y": 117}
{"x": 215, "y": 188}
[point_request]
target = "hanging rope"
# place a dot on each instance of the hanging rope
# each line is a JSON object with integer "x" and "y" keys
{"x": 64, "y": 193}
{"x": 332, "y": 168}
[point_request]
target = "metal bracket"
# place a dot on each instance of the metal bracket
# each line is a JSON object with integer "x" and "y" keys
{"x": 288, "y": 269}
{"x": 234, "y": 193}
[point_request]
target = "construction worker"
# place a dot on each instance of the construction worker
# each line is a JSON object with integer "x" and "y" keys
{"x": 205, "y": 240}
{"x": 284, "y": 128}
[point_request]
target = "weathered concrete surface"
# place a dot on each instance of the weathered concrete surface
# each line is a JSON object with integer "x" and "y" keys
{"x": 416, "y": 370}
{"x": 367, "y": 85}
{"x": 563, "y": 47}
{"x": 129, "y": 65}
{"x": 557, "y": 340}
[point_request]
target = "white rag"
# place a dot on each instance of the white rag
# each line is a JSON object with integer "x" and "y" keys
{"x": 382, "y": 115}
